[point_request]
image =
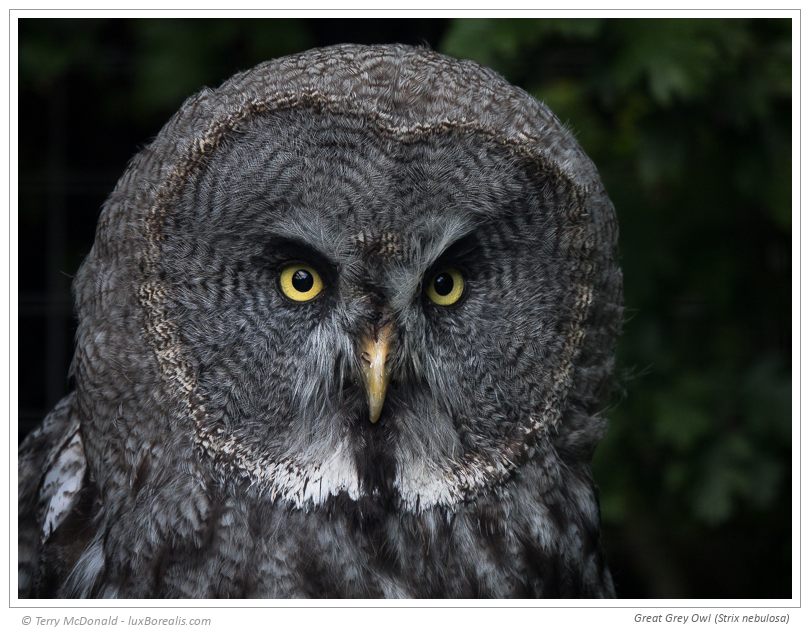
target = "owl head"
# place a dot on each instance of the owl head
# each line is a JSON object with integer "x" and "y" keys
{"x": 368, "y": 273}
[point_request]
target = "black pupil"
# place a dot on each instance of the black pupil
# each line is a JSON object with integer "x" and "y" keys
{"x": 443, "y": 284}
{"x": 302, "y": 281}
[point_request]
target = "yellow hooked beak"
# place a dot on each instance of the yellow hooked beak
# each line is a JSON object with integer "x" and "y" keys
{"x": 373, "y": 355}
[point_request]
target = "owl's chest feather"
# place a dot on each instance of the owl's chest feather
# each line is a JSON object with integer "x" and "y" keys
{"x": 505, "y": 547}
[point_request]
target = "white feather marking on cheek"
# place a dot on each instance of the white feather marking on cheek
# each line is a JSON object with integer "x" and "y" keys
{"x": 337, "y": 474}
{"x": 424, "y": 484}
{"x": 316, "y": 483}
{"x": 299, "y": 483}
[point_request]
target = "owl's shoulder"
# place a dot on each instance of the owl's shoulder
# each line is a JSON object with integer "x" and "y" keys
{"x": 52, "y": 468}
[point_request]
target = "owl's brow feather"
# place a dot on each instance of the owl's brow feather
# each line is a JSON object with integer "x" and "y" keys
{"x": 329, "y": 242}
{"x": 279, "y": 249}
{"x": 434, "y": 240}
{"x": 437, "y": 235}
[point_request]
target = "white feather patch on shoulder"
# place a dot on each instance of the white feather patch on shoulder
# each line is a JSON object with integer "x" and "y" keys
{"x": 62, "y": 484}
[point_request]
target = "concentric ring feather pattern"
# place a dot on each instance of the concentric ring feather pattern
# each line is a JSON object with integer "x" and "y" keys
{"x": 227, "y": 440}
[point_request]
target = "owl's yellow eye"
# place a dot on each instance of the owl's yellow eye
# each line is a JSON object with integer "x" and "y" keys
{"x": 300, "y": 282}
{"x": 445, "y": 287}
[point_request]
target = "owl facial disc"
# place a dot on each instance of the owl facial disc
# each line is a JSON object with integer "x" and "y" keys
{"x": 321, "y": 248}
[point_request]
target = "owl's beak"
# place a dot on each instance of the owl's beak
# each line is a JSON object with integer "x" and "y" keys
{"x": 373, "y": 355}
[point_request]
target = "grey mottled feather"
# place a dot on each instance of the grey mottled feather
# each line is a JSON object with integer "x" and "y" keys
{"x": 219, "y": 433}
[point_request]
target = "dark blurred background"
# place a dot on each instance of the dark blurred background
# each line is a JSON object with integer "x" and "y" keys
{"x": 689, "y": 123}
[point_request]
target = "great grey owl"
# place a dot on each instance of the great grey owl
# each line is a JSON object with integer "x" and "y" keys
{"x": 345, "y": 331}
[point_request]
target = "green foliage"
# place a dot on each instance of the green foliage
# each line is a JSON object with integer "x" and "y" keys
{"x": 173, "y": 63}
{"x": 174, "y": 58}
{"x": 689, "y": 124}
{"x": 42, "y": 55}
